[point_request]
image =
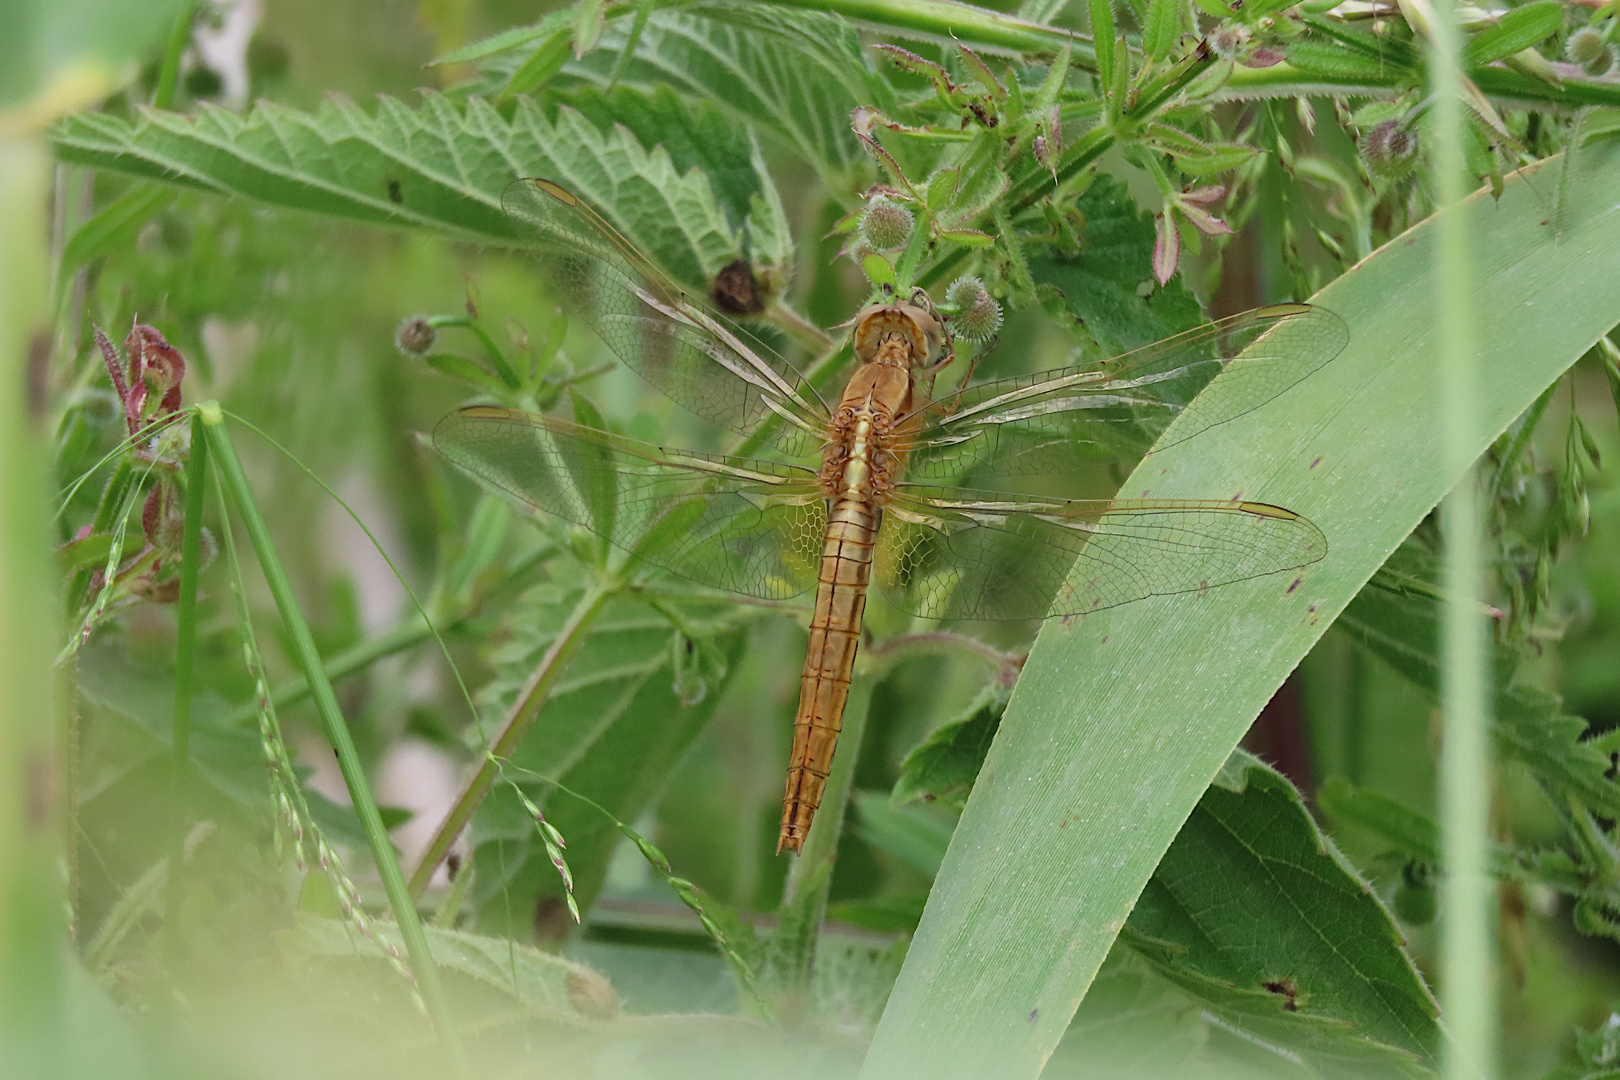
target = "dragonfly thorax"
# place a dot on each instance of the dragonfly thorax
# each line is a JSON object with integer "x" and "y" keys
{"x": 902, "y": 334}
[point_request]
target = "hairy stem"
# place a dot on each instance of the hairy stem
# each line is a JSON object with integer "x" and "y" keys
{"x": 518, "y": 721}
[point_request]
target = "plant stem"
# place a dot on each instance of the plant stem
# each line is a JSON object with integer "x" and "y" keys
{"x": 1467, "y": 919}
{"x": 518, "y": 721}
{"x": 185, "y": 653}
{"x": 804, "y": 898}
{"x": 971, "y": 25}
{"x": 337, "y": 732}
{"x": 169, "y": 73}
{"x": 400, "y": 638}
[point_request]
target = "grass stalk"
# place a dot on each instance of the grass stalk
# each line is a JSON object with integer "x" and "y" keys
{"x": 519, "y": 719}
{"x": 973, "y": 25}
{"x": 337, "y": 731}
{"x": 33, "y": 1009}
{"x": 169, "y": 73}
{"x": 185, "y": 655}
{"x": 1467, "y": 970}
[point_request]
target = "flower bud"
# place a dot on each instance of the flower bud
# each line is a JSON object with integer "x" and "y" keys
{"x": 415, "y": 336}
{"x": 978, "y": 315}
{"x": 886, "y": 224}
{"x": 1389, "y": 149}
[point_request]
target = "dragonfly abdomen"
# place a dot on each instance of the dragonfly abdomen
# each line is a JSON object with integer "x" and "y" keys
{"x": 835, "y": 636}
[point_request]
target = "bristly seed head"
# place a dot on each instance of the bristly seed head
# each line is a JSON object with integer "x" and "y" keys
{"x": 1588, "y": 48}
{"x": 415, "y": 336}
{"x": 978, "y": 315}
{"x": 886, "y": 224}
{"x": 1389, "y": 149}
{"x": 1229, "y": 41}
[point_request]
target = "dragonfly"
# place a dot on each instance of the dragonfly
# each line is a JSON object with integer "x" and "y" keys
{"x": 837, "y": 496}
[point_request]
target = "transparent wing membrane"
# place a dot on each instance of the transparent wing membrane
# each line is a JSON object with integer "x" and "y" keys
{"x": 686, "y": 350}
{"x": 1053, "y": 421}
{"x": 753, "y": 528}
{"x": 958, "y": 554}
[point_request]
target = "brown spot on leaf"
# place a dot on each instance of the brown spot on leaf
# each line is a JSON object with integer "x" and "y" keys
{"x": 592, "y": 995}
{"x": 1285, "y": 989}
{"x": 1292, "y": 585}
{"x": 1315, "y": 463}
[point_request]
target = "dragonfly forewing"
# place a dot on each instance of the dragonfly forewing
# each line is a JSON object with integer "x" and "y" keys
{"x": 947, "y": 553}
{"x": 1055, "y": 421}
{"x": 754, "y": 528}
{"x": 685, "y": 349}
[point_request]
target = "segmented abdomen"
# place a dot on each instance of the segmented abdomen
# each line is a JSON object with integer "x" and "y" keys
{"x": 835, "y": 635}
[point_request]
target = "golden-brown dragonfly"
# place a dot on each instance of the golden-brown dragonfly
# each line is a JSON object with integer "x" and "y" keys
{"x": 839, "y": 497}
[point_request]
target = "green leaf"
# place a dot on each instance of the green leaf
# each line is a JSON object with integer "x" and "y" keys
{"x": 1334, "y": 61}
{"x": 588, "y": 23}
{"x": 944, "y": 765}
{"x": 1162, "y": 29}
{"x": 1213, "y": 159}
{"x": 441, "y": 167}
{"x": 1391, "y": 820}
{"x": 911, "y": 834}
{"x": 1519, "y": 28}
{"x": 793, "y": 75}
{"x": 1314, "y": 959}
{"x": 1120, "y": 718}
{"x": 521, "y": 976}
{"x": 1397, "y": 617}
{"x": 1102, "y": 284}
{"x": 1102, "y": 33}
{"x": 115, "y": 225}
{"x": 542, "y": 65}
{"x": 613, "y": 730}
{"x": 879, "y": 270}
{"x": 513, "y": 38}
{"x": 594, "y": 477}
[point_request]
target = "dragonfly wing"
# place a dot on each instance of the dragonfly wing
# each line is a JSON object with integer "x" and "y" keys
{"x": 749, "y": 527}
{"x": 1051, "y": 422}
{"x": 685, "y": 349}
{"x": 958, "y": 554}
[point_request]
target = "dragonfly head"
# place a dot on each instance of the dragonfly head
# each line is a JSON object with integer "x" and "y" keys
{"x": 900, "y": 328}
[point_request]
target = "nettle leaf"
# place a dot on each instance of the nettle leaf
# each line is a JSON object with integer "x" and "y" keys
{"x": 441, "y": 167}
{"x": 501, "y": 973}
{"x": 1397, "y": 617}
{"x": 943, "y": 765}
{"x": 794, "y": 75}
{"x": 228, "y": 757}
{"x": 613, "y": 730}
{"x": 1255, "y": 917}
{"x": 1108, "y": 284}
{"x": 1518, "y": 29}
{"x": 1254, "y": 912}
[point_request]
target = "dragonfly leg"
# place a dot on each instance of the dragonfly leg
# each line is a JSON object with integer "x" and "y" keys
{"x": 946, "y": 408}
